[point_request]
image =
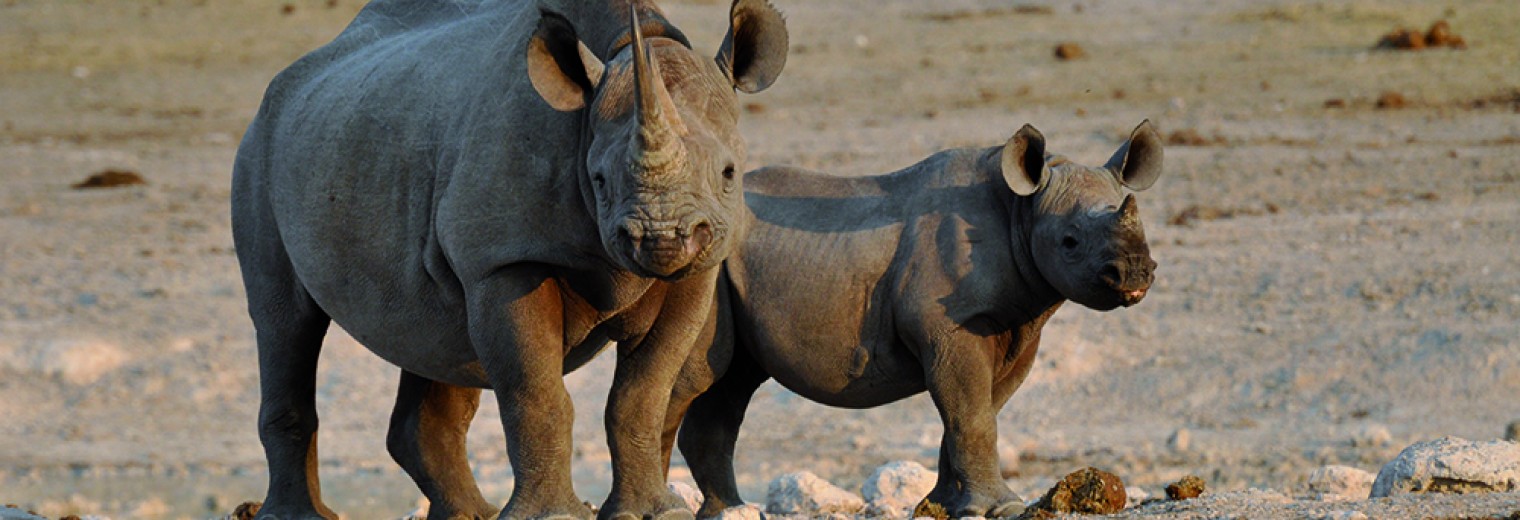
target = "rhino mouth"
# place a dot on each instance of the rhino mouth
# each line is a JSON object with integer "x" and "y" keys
{"x": 666, "y": 250}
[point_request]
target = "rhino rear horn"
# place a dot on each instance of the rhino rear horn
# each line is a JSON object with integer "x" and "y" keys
{"x": 754, "y": 51}
{"x": 562, "y": 69}
{"x": 1023, "y": 161}
{"x": 1137, "y": 163}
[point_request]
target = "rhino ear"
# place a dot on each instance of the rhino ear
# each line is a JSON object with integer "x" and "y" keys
{"x": 562, "y": 69}
{"x": 1137, "y": 164}
{"x": 754, "y": 51}
{"x": 1023, "y": 161}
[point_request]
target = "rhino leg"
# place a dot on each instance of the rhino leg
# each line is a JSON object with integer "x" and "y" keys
{"x": 960, "y": 382}
{"x": 516, "y": 326}
{"x": 642, "y": 384}
{"x": 427, "y": 438}
{"x": 290, "y": 329}
{"x": 711, "y": 428}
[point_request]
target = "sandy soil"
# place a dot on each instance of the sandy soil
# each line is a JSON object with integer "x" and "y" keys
{"x": 1328, "y": 273}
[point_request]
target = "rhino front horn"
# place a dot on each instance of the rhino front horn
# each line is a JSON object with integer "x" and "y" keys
{"x": 657, "y": 148}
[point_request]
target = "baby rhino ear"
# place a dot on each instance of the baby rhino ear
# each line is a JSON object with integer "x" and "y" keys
{"x": 1137, "y": 163}
{"x": 1023, "y": 161}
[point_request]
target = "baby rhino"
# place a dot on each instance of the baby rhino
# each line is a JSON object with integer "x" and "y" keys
{"x": 857, "y": 292}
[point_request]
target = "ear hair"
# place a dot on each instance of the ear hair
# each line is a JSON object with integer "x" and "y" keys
{"x": 561, "y": 68}
{"x": 1023, "y": 161}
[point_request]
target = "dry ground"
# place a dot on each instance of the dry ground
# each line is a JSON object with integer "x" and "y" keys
{"x": 1327, "y": 272}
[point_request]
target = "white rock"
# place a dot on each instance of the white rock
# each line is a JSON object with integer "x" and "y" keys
{"x": 688, "y": 493}
{"x": 11, "y": 513}
{"x": 1180, "y": 440}
{"x": 1340, "y": 483}
{"x": 1451, "y": 464}
{"x": 78, "y": 362}
{"x": 744, "y": 512}
{"x": 896, "y": 487}
{"x": 805, "y": 493}
{"x": 1135, "y": 495}
{"x": 1345, "y": 515}
{"x": 1372, "y": 435}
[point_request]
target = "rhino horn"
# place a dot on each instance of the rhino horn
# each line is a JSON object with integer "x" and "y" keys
{"x": 657, "y": 146}
{"x": 1129, "y": 213}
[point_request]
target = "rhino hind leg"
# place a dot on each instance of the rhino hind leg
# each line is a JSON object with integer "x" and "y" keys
{"x": 289, "y": 332}
{"x": 710, "y": 430}
{"x": 427, "y": 438}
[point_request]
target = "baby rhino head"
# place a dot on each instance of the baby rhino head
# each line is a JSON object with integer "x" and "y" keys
{"x": 1083, "y": 229}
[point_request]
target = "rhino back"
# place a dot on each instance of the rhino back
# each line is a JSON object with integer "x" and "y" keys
{"x": 409, "y": 149}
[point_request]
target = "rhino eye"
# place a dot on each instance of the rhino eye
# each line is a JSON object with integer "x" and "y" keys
{"x": 601, "y": 182}
{"x": 728, "y": 172}
{"x": 1069, "y": 242}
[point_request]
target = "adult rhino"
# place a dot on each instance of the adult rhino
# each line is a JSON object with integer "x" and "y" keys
{"x": 856, "y": 292}
{"x": 486, "y": 193}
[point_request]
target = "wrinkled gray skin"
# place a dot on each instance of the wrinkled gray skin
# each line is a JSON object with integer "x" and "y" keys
{"x": 857, "y": 292}
{"x": 485, "y": 194}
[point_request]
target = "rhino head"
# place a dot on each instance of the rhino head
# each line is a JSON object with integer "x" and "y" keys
{"x": 1083, "y": 231}
{"x": 663, "y": 146}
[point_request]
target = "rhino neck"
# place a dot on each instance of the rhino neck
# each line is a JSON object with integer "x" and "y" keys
{"x": 1035, "y": 292}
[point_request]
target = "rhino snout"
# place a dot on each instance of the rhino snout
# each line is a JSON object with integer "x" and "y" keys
{"x": 665, "y": 248}
{"x": 1130, "y": 277}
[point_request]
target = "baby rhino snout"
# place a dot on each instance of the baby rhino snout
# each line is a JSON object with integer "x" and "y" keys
{"x": 665, "y": 248}
{"x": 1130, "y": 276}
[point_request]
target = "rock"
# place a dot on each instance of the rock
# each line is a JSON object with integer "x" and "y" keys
{"x": 1068, "y": 51}
{"x": 1008, "y": 460}
{"x": 248, "y": 510}
{"x": 1345, "y": 515}
{"x": 1372, "y": 436}
{"x": 1087, "y": 491}
{"x": 1451, "y": 465}
{"x": 1512, "y": 432}
{"x": 1391, "y": 99}
{"x": 744, "y": 512}
{"x": 1135, "y": 495}
{"x": 1186, "y": 488}
{"x": 894, "y": 488}
{"x": 11, "y": 512}
{"x": 1182, "y": 438}
{"x": 805, "y": 493}
{"x": 689, "y": 493}
{"x": 110, "y": 179}
{"x": 1340, "y": 483}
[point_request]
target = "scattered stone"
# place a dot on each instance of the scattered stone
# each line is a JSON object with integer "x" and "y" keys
{"x": 1512, "y": 432}
{"x": 1186, "y": 488}
{"x": 1451, "y": 465}
{"x": 688, "y": 493}
{"x": 1135, "y": 495}
{"x": 1345, "y": 515}
{"x": 1067, "y": 51}
{"x": 1087, "y": 491}
{"x": 805, "y": 493}
{"x": 1391, "y": 99}
{"x": 1335, "y": 103}
{"x": 896, "y": 487}
{"x": 1182, "y": 438}
{"x": 927, "y": 509}
{"x": 1439, "y": 35}
{"x": 244, "y": 511}
{"x": 110, "y": 179}
{"x": 14, "y": 512}
{"x": 1372, "y": 436}
{"x": 1338, "y": 483}
{"x": 1008, "y": 460}
{"x": 1191, "y": 137}
{"x": 755, "y": 108}
{"x": 743, "y": 512}
{"x": 288, "y": 9}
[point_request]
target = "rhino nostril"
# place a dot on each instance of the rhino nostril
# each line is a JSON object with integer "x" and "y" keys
{"x": 1112, "y": 275}
{"x": 701, "y": 235}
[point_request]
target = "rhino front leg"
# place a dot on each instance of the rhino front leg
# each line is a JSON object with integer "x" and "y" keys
{"x": 959, "y": 378}
{"x": 289, "y": 332}
{"x": 641, "y": 392}
{"x": 516, "y": 325}
{"x": 427, "y": 438}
